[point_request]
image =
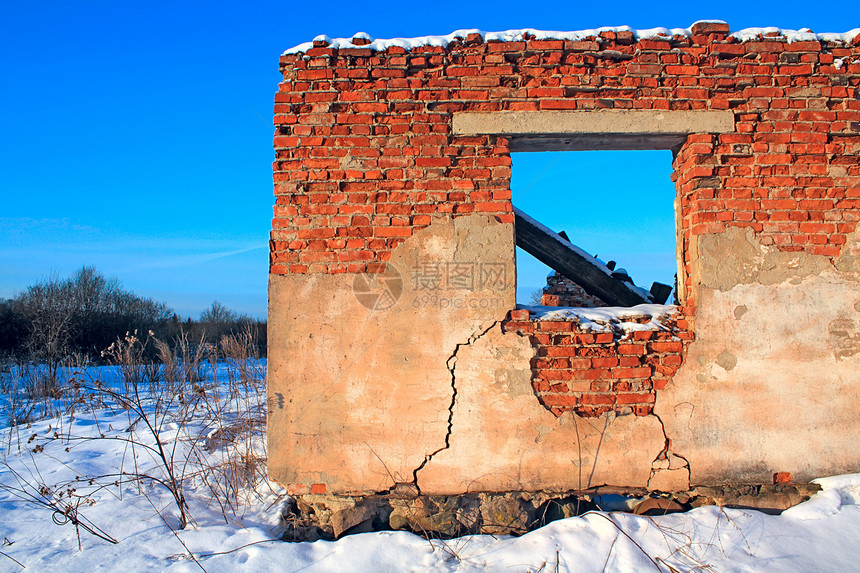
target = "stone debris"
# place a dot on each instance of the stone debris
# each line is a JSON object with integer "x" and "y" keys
{"x": 313, "y": 517}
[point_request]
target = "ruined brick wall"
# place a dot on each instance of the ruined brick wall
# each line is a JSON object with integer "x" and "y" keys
{"x": 369, "y": 169}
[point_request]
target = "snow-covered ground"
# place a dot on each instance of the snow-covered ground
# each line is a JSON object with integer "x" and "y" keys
{"x": 41, "y": 461}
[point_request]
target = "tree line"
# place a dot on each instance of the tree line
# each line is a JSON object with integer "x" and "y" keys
{"x": 85, "y": 313}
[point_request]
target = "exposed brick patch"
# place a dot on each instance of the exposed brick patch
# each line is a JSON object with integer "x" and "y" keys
{"x": 318, "y": 488}
{"x": 592, "y": 373}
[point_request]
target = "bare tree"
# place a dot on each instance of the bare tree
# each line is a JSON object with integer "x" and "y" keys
{"x": 84, "y": 313}
{"x": 46, "y": 308}
{"x": 218, "y": 314}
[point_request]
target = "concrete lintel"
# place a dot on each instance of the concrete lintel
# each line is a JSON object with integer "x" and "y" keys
{"x": 606, "y": 122}
{"x": 596, "y": 142}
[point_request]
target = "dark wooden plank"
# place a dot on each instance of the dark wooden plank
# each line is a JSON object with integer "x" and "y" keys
{"x": 660, "y": 292}
{"x": 550, "y": 249}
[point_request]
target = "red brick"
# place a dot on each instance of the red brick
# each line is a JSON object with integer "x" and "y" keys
{"x": 640, "y": 372}
{"x": 540, "y": 385}
{"x": 519, "y": 314}
{"x": 558, "y": 104}
{"x": 581, "y": 46}
{"x": 555, "y": 326}
{"x": 558, "y": 400}
{"x": 597, "y": 399}
{"x": 506, "y": 46}
{"x": 641, "y": 398}
{"x": 556, "y": 375}
{"x": 592, "y": 374}
{"x": 682, "y": 70}
{"x": 392, "y": 232}
{"x": 643, "y": 334}
{"x": 297, "y": 489}
{"x": 709, "y": 28}
{"x": 318, "y": 488}
{"x": 666, "y": 346}
{"x": 521, "y": 327}
{"x": 561, "y": 351}
{"x": 728, "y": 49}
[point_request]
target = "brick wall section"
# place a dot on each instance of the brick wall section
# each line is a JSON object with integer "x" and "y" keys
{"x": 591, "y": 373}
{"x": 561, "y": 291}
{"x": 365, "y": 154}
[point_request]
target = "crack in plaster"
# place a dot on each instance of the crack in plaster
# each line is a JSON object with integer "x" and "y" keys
{"x": 451, "y": 364}
{"x": 664, "y": 455}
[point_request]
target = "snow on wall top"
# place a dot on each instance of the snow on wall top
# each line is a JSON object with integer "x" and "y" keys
{"x": 747, "y": 34}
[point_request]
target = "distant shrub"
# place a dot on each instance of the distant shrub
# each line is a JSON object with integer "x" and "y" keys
{"x": 87, "y": 312}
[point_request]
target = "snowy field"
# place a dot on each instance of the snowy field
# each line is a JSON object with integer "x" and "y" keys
{"x": 108, "y": 466}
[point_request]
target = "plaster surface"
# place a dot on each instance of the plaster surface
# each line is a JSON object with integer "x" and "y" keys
{"x": 735, "y": 257}
{"x": 770, "y": 383}
{"x": 503, "y": 439}
{"x": 358, "y": 396}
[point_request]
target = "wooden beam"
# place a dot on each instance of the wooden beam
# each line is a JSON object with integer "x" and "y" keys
{"x": 660, "y": 292}
{"x": 550, "y": 249}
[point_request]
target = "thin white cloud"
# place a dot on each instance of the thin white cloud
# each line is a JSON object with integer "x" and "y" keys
{"x": 12, "y": 228}
{"x": 178, "y": 261}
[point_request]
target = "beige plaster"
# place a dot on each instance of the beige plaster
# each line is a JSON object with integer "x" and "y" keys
{"x": 771, "y": 382}
{"x": 358, "y": 397}
{"x": 503, "y": 439}
{"x": 365, "y": 395}
{"x": 736, "y": 257}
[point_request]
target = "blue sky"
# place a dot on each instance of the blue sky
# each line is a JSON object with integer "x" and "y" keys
{"x": 136, "y": 137}
{"x": 617, "y": 205}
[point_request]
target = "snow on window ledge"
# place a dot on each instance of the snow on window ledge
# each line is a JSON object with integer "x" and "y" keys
{"x": 609, "y": 318}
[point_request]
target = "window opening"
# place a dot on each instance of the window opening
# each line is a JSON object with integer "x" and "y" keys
{"x": 615, "y": 205}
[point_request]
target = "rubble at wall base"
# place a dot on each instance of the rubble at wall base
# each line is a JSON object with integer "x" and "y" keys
{"x": 313, "y": 517}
